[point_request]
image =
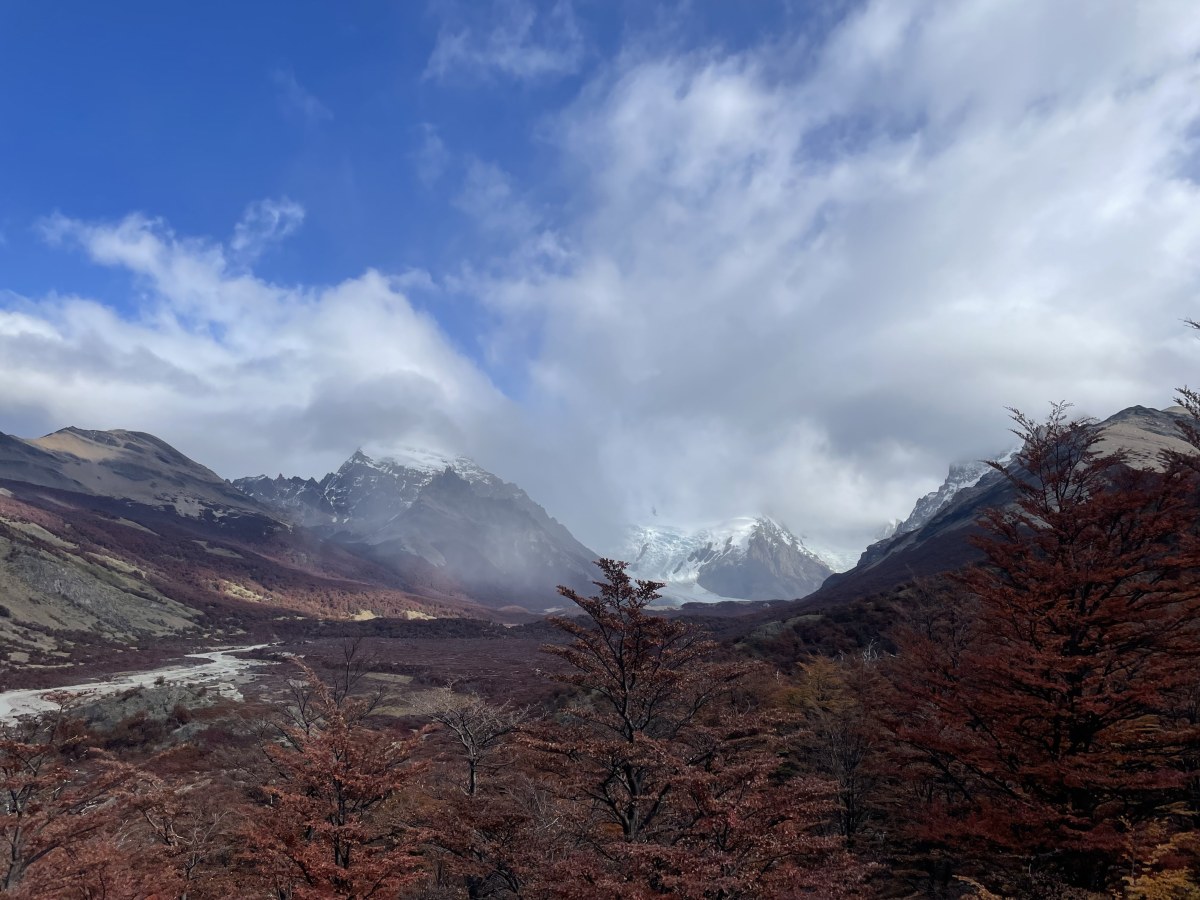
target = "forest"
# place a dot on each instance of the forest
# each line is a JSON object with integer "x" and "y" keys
{"x": 1029, "y": 728}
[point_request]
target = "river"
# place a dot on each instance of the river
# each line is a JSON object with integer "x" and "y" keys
{"x": 219, "y": 671}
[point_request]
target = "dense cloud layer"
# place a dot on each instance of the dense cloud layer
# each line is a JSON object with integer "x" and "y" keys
{"x": 797, "y": 279}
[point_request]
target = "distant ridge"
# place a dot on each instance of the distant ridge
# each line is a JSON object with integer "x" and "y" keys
{"x": 745, "y": 558}
{"x": 129, "y": 464}
{"x": 422, "y": 508}
{"x": 935, "y": 537}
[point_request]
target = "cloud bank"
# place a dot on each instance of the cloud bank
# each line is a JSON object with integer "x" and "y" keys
{"x": 805, "y": 278}
{"x": 798, "y": 278}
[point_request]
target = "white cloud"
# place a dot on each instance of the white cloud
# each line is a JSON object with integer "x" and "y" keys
{"x": 512, "y": 39}
{"x": 488, "y": 197}
{"x": 431, "y": 157}
{"x": 265, "y": 223}
{"x": 806, "y": 290}
{"x": 243, "y": 374}
{"x": 297, "y": 100}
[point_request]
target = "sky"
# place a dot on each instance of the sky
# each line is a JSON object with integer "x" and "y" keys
{"x": 655, "y": 262}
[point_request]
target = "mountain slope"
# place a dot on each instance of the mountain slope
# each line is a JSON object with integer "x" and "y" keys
{"x": 961, "y": 477}
{"x": 128, "y": 464}
{"x": 855, "y": 611}
{"x": 117, "y": 537}
{"x": 743, "y": 559}
{"x": 54, "y": 580}
{"x": 420, "y": 508}
{"x": 940, "y": 541}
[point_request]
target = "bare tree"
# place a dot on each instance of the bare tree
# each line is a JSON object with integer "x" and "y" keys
{"x": 478, "y": 725}
{"x": 307, "y": 711}
{"x": 190, "y": 826}
{"x": 350, "y": 670}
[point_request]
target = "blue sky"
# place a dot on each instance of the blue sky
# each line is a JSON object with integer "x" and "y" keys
{"x": 189, "y": 112}
{"x": 715, "y": 259}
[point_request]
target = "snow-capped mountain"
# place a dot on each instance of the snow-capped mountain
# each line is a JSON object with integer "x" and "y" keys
{"x": 961, "y": 477}
{"x": 419, "y": 509}
{"x": 364, "y": 492}
{"x": 119, "y": 536}
{"x": 935, "y": 538}
{"x": 742, "y": 559}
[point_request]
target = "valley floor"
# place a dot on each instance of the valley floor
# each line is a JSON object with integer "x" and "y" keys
{"x": 216, "y": 670}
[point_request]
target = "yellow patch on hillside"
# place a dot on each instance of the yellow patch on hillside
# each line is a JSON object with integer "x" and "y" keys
{"x": 38, "y": 532}
{"x": 244, "y": 593}
{"x": 128, "y": 524}
{"x": 76, "y": 445}
{"x": 219, "y": 551}
{"x": 113, "y": 563}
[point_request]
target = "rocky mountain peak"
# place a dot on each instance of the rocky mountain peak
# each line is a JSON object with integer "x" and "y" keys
{"x": 443, "y": 511}
{"x": 962, "y": 475}
{"x": 934, "y": 538}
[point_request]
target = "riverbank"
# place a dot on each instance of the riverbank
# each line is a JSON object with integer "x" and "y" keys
{"x": 219, "y": 670}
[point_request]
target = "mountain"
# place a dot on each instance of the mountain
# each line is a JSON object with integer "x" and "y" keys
{"x": 742, "y": 559}
{"x": 935, "y": 537}
{"x": 961, "y": 477}
{"x": 422, "y": 510}
{"x": 856, "y": 610}
{"x": 115, "y": 536}
{"x": 128, "y": 464}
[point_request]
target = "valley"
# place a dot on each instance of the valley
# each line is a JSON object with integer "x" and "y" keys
{"x": 114, "y": 547}
{"x": 563, "y": 450}
{"x": 186, "y": 628}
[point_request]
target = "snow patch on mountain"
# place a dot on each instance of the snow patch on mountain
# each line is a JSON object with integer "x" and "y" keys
{"x": 427, "y": 462}
{"x": 837, "y": 560}
{"x": 961, "y": 477}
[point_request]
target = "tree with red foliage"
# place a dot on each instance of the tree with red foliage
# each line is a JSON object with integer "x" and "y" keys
{"x": 332, "y": 830}
{"x": 58, "y": 793}
{"x": 187, "y": 830}
{"x": 505, "y": 840}
{"x": 674, "y": 792}
{"x": 836, "y": 737}
{"x": 1043, "y": 730}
